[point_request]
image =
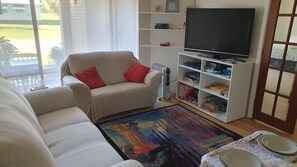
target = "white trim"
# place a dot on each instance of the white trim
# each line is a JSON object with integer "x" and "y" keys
{"x": 25, "y": 2}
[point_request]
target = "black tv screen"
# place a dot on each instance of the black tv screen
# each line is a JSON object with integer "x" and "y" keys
{"x": 219, "y": 31}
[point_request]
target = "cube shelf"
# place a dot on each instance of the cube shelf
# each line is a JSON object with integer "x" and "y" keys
{"x": 225, "y": 83}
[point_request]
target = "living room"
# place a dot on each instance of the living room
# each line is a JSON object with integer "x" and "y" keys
{"x": 270, "y": 88}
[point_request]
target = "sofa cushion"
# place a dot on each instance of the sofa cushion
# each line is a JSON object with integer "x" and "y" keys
{"x": 91, "y": 78}
{"x": 110, "y": 65}
{"x": 60, "y": 118}
{"x": 136, "y": 73}
{"x": 22, "y": 141}
{"x": 79, "y": 145}
{"x": 117, "y": 98}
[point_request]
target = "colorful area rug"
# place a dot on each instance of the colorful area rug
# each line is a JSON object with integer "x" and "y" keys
{"x": 170, "y": 136}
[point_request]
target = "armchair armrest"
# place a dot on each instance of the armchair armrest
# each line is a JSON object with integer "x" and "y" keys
{"x": 153, "y": 79}
{"x": 128, "y": 163}
{"x": 47, "y": 100}
{"x": 81, "y": 91}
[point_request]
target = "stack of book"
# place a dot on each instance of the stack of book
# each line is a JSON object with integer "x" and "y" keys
{"x": 215, "y": 68}
{"x": 188, "y": 93}
{"x": 220, "y": 88}
{"x": 192, "y": 77}
{"x": 214, "y": 104}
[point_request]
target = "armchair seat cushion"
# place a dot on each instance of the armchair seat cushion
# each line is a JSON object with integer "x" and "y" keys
{"x": 120, "y": 97}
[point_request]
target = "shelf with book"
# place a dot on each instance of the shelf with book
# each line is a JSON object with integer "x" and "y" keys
{"x": 221, "y": 116}
{"x": 188, "y": 93}
{"x": 224, "y": 77}
{"x": 195, "y": 85}
{"x": 214, "y": 93}
{"x": 223, "y": 87}
{"x": 212, "y": 103}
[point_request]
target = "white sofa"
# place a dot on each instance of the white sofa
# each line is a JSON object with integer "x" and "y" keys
{"x": 119, "y": 94}
{"x": 45, "y": 129}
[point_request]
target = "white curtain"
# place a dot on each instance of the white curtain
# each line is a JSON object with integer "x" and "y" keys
{"x": 98, "y": 25}
{"x": 86, "y": 25}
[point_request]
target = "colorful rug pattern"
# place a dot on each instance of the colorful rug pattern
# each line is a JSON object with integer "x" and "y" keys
{"x": 170, "y": 136}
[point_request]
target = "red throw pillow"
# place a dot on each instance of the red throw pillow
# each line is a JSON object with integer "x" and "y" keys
{"x": 91, "y": 78}
{"x": 136, "y": 73}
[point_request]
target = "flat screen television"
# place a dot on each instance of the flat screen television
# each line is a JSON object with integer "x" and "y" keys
{"x": 219, "y": 31}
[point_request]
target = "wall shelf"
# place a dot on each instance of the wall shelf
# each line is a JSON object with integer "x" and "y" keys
{"x": 165, "y": 47}
{"x": 150, "y": 38}
{"x": 163, "y": 13}
{"x": 153, "y": 29}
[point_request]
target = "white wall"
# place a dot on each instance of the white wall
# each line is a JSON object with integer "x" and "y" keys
{"x": 262, "y": 9}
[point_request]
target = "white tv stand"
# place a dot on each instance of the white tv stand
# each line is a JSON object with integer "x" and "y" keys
{"x": 238, "y": 83}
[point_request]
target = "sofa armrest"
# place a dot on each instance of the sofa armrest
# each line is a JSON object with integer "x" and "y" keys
{"x": 81, "y": 91}
{"x": 47, "y": 100}
{"x": 128, "y": 163}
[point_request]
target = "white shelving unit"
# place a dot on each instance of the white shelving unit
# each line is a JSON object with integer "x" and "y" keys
{"x": 151, "y": 38}
{"x": 238, "y": 83}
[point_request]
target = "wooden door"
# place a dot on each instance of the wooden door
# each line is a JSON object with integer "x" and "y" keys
{"x": 276, "y": 99}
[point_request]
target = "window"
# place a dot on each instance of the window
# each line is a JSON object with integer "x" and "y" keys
{"x": 86, "y": 26}
{"x": 19, "y": 8}
{"x": 4, "y": 8}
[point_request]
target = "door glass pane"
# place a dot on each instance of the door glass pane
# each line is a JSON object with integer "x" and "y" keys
{"x": 293, "y": 37}
{"x": 281, "y": 110}
{"x": 286, "y": 83}
{"x": 271, "y": 81}
{"x": 47, "y": 14}
{"x": 286, "y": 6}
{"x": 267, "y": 105}
{"x": 291, "y": 58}
{"x": 277, "y": 53}
{"x": 18, "y": 58}
{"x": 282, "y": 28}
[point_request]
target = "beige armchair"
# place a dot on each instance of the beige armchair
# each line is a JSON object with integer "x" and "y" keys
{"x": 119, "y": 94}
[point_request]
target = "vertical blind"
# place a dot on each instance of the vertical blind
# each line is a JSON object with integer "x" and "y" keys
{"x": 36, "y": 40}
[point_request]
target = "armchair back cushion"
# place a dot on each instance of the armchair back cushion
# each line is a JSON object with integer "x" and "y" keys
{"x": 22, "y": 141}
{"x": 110, "y": 66}
{"x": 136, "y": 73}
{"x": 91, "y": 78}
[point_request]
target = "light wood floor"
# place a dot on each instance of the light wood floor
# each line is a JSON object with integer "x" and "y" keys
{"x": 243, "y": 127}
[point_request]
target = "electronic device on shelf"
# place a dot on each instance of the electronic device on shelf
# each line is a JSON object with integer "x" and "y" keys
{"x": 216, "y": 68}
{"x": 219, "y": 32}
{"x": 193, "y": 75}
{"x": 161, "y": 26}
{"x": 194, "y": 64}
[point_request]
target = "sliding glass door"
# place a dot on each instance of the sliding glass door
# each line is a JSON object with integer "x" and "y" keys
{"x": 30, "y": 43}
{"x": 48, "y": 21}
{"x": 19, "y": 59}
{"x": 32, "y": 49}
